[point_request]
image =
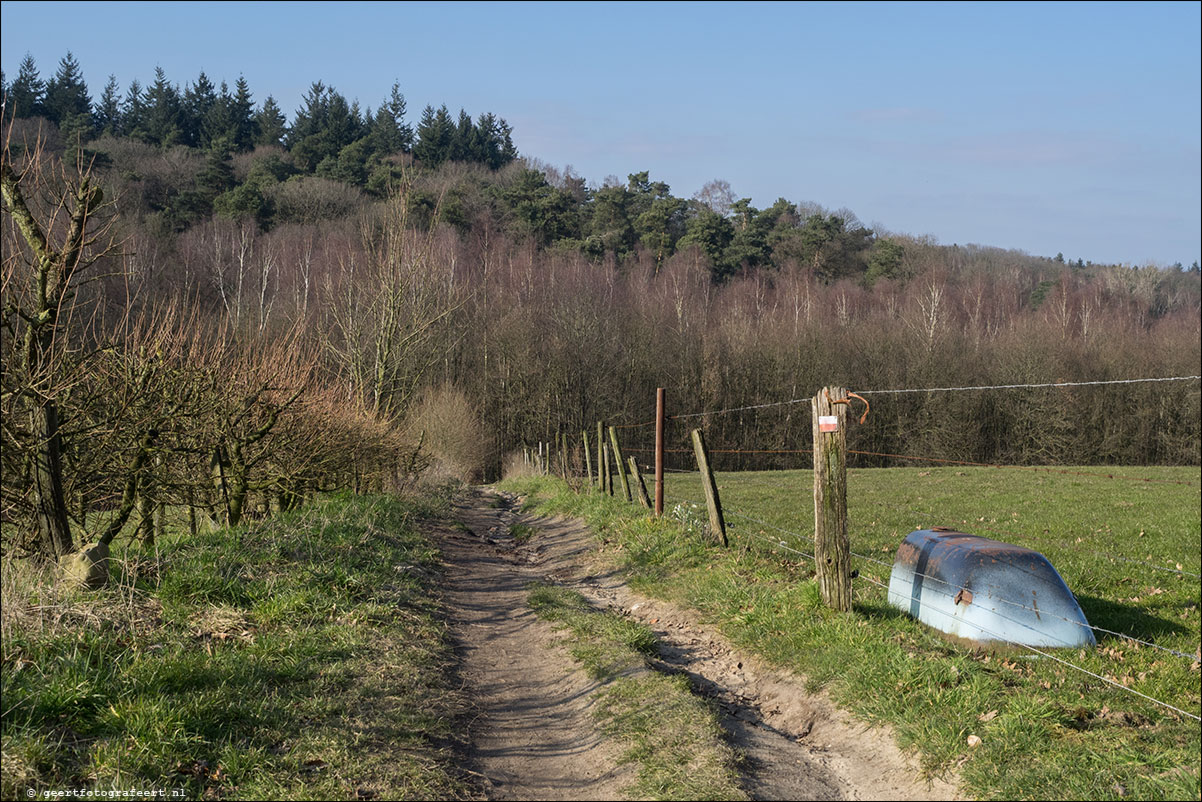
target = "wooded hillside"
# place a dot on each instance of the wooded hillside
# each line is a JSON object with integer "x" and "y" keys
{"x": 209, "y": 305}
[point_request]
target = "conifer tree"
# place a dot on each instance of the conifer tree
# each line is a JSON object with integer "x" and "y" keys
{"x": 464, "y": 142}
{"x": 28, "y": 91}
{"x": 271, "y": 126}
{"x": 67, "y": 101}
{"x": 242, "y": 110}
{"x": 198, "y": 102}
{"x": 434, "y": 136}
{"x": 389, "y": 133}
{"x": 133, "y": 111}
{"x": 163, "y": 111}
{"x": 108, "y": 110}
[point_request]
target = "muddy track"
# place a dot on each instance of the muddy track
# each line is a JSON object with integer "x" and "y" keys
{"x": 531, "y": 732}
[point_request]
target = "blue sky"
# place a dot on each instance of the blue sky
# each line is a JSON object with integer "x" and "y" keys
{"x": 1044, "y": 127}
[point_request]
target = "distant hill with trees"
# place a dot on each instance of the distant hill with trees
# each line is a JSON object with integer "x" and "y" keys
{"x": 200, "y": 292}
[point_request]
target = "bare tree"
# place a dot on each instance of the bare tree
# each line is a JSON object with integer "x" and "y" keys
{"x": 55, "y": 229}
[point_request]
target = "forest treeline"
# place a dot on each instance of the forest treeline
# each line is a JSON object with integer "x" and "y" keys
{"x": 223, "y": 312}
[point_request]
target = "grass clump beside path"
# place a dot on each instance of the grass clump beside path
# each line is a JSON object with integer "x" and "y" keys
{"x": 671, "y": 735}
{"x": 1012, "y": 724}
{"x": 302, "y": 657}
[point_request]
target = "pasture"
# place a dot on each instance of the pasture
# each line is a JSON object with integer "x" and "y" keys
{"x": 1012, "y": 723}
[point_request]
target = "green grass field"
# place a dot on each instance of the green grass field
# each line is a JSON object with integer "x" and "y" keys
{"x": 1129, "y": 550}
{"x": 302, "y": 657}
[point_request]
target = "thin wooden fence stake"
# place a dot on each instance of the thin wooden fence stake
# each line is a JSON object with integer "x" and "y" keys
{"x": 607, "y": 483}
{"x": 600, "y": 461}
{"x": 832, "y": 551}
{"x": 659, "y": 451}
{"x": 712, "y": 501}
{"x": 636, "y": 477}
{"x": 613, "y": 439}
{"x": 588, "y": 463}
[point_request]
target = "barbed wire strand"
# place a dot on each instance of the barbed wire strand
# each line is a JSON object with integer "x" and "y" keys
{"x": 939, "y": 390}
{"x": 725, "y": 450}
{"x": 1027, "y": 386}
{"x": 740, "y": 409}
{"x": 1039, "y": 468}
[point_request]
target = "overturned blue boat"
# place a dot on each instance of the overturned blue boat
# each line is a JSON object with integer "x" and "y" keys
{"x": 985, "y": 590}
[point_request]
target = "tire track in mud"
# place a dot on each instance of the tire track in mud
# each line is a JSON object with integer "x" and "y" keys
{"x": 795, "y": 745}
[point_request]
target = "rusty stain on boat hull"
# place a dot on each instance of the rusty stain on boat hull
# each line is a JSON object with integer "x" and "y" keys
{"x": 985, "y": 590}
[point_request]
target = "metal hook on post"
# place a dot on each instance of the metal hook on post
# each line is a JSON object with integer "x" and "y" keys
{"x": 850, "y": 395}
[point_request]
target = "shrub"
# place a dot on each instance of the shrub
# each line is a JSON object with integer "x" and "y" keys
{"x": 450, "y": 429}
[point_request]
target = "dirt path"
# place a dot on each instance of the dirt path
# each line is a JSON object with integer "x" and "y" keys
{"x": 531, "y": 733}
{"x": 533, "y": 737}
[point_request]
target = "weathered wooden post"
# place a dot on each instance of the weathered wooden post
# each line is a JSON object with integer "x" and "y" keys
{"x": 588, "y": 462}
{"x": 832, "y": 555}
{"x": 613, "y": 439}
{"x": 600, "y": 461}
{"x": 712, "y": 502}
{"x": 659, "y": 451}
{"x": 607, "y": 482}
{"x": 640, "y": 487}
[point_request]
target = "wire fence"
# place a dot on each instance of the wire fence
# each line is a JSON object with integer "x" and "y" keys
{"x": 756, "y": 529}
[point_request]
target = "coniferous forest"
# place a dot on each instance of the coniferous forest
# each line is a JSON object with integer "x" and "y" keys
{"x": 210, "y": 305}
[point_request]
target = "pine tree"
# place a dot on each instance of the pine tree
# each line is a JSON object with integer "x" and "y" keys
{"x": 219, "y": 122}
{"x": 108, "y": 111}
{"x": 311, "y": 117}
{"x": 494, "y": 143}
{"x": 67, "y": 101}
{"x": 163, "y": 117}
{"x": 434, "y": 135}
{"x": 242, "y": 110}
{"x": 271, "y": 125}
{"x": 133, "y": 111}
{"x": 389, "y": 131}
{"x": 464, "y": 142}
{"x": 198, "y": 102}
{"x": 28, "y": 92}
{"x": 323, "y": 127}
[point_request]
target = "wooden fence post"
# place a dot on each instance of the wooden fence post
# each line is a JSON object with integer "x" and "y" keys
{"x": 659, "y": 451}
{"x": 588, "y": 462}
{"x": 640, "y": 486}
{"x": 613, "y": 439}
{"x": 600, "y": 461}
{"x": 832, "y": 555}
{"x": 712, "y": 502}
{"x": 607, "y": 482}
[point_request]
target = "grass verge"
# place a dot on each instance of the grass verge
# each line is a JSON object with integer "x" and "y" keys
{"x": 298, "y": 658}
{"x": 671, "y": 735}
{"x": 1042, "y": 730}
